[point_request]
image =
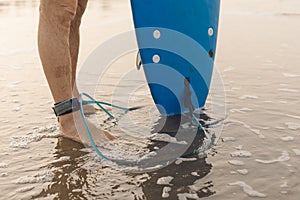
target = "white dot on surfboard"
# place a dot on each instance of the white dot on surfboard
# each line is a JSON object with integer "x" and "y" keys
{"x": 156, "y": 58}
{"x": 210, "y": 31}
{"x": 156, "y": 34}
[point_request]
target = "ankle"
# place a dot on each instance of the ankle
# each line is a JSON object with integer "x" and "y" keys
{"x": 66, "y": 118}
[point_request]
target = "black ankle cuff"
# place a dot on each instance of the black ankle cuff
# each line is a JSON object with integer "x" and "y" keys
{"x": 66, "y": 107}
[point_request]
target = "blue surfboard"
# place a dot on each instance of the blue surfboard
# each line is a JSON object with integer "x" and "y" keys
{"x": 177, "y": 43}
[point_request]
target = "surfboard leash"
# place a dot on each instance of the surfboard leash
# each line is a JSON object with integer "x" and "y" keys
{"x": 100, "y": 105}
{"x": 188, "y": 104}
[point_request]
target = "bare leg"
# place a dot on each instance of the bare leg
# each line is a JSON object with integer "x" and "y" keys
{"x": 53, "y": 41}
{"x": 56, "y": 17}
{"x": 74, "y": 40}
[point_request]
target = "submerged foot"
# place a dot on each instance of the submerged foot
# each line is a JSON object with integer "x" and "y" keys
{"x": 72, "y": 127}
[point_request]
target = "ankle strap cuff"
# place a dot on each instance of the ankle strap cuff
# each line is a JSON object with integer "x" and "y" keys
{"x": 66, "y": 107}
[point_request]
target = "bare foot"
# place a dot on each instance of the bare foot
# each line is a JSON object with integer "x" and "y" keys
{"x": 90, "y": 109}
{"x": 72, "y": 127}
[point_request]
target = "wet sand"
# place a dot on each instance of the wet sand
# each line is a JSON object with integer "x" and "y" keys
{"x": 257, "y": 155}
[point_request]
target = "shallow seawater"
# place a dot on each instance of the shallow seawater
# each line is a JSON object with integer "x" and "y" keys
{"x": 257, "y": 155}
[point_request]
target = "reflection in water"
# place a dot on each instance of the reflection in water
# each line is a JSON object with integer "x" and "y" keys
{"x": 184, "y": 176}
{"x": 185, "y": 173}
{"x": 73, "y": 180}
{"x": 69, "y": 176}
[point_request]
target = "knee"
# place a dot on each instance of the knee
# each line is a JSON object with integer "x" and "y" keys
{"x": 58, "y": 12}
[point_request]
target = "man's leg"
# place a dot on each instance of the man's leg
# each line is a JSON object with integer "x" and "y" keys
{"x": 53, "y": 40}
{"x": 56, "y": 17}
{"x": 74, "y": 40}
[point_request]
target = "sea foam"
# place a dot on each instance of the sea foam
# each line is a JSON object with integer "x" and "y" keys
{"x": 23, "y": 142}
{"x": 40, "y": 177}
{"x": 248, "y": 189}
{"x": 165, "y": 193}
{"x": 180, "y": 160}
{"x": 228, "y": 139}
{"x": 186, "y": 196}
{"x": 293, "y": 126}
{"x": 284, "y": 157}
{"x": 243, "y": 171}
{"x": 287, "y": 138}
{"x": 297, "y": 152}
{"x": 165, "y": 180}
{"x": 236, "y": 162}
{"x": 166, "y": 138}
{"x": 3, "y": 165}
{"x": 248, "y": 97}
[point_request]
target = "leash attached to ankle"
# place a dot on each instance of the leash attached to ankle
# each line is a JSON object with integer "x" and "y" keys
{"x": 66, "y": 107}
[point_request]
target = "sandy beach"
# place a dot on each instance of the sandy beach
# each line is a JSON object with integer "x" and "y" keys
{"x": 257, "y": 156}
